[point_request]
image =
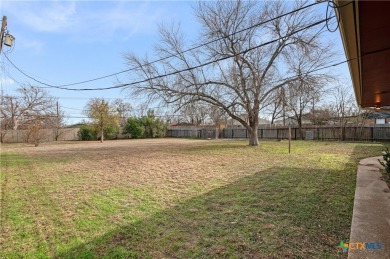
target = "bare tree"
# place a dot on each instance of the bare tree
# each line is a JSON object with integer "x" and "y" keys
{"x": 123, "y": 109}
{"x": 276, "y": 105}
{"x": 344, "y": 106}
{"x": 217, "y": 117}
{"x": 57, "y": 123}
{"x": 194, "y": 113}
{"x": 31, "y": 102}
{"x": 303, "y": 91}
{"x": 298, "y": 100}
{"x": 247, "y": 59}
{"x": 30, "y": 105}
{"x": 3, "y": 128}
{"x": 320, "y": 116}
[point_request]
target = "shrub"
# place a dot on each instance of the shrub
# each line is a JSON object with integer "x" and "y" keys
{"x": 154, "y": 127}
{"x": 87, "y": 132}
{"x": 134, "y": 128}
{"x": 160, "y": 128}
{"x": 386, "y": 158}
{"x": 111, "y": 131}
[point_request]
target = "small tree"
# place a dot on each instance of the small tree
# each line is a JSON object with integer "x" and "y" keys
{"x": 104, "y": 116}
{"x": 34, "y": 132}
{"x": 217, "y": 117}
{"x": 344, "y": 105}
{"x": 124, "y": 111}
{"x": 134, "y": 127}
{"x": 56, "y": 122}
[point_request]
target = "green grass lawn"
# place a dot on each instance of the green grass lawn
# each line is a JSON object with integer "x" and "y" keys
{"x": 178, "y": 199}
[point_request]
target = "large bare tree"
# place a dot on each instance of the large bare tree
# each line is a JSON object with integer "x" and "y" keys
{"x": 30, "y": 102}
{"x": 247, "y": 59}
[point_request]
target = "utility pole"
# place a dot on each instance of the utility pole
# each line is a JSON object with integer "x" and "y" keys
{"x": 58, "y": 110}
{"x": 5, "y": 38}
{"x": 3, "y": 26}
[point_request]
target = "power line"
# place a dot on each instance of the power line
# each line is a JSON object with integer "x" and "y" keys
{"x": 335, "y": 7}
{"x": 63, "y": 86}
{"x": 194, "y": 67}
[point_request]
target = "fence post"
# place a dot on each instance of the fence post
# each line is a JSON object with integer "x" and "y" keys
{"x": 232, "y": 133}
{"x": 372, "y": 134}
{"x": 318, "y": 133}
{"x": 289, "y": 139}
{"x": 261, "y": 133}
{"x": 246, "y": 133}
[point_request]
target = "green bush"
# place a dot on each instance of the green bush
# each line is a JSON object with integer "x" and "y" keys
{"x": 154, "y": 128}
{"x": 111, "y": 131}
{"x": 386, "y": 158}
{"x": 87, "y": 132}
{"x": 90, "y": 132}
{"x": 134, "y": 128}
{"x": 160, "y": 128}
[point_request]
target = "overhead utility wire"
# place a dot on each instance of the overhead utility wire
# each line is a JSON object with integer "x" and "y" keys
{"x": 164, "y": 58}
{"x": 332, "y": 4}
{"x": 190, "y": 68}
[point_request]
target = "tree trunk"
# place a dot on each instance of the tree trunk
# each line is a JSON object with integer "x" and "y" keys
{"x": 56, "y": 134}
{"x": 102, "y": 136}
{"x": 253, "y": 136}
{"x": 2, "y": 136}
{"x": 300, "y": 128}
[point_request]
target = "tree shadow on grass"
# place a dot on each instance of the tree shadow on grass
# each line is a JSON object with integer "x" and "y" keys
{"x": 284, "y": 212}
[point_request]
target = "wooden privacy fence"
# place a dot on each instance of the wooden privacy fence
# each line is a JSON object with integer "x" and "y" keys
{"x": 308, "y": 133}
{"x": 20, "y": 136}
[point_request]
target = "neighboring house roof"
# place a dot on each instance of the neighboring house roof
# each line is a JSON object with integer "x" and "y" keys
{"x": 264, "y": 121}
{"x": 378, "y": 115}
{"x": 77, "y": 125}
{"x": 180, "y": 124}
{"x": 290, "y": 121}
{"x": 234, "y": 122}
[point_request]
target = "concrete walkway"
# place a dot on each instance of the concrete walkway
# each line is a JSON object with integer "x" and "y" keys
{"x": 371, "y": 213}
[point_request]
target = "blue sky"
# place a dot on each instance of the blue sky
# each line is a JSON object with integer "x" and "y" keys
{"x": 61, "y": 42}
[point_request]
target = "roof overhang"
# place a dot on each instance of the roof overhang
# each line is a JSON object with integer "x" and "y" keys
{"x": 365, "y": 31}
